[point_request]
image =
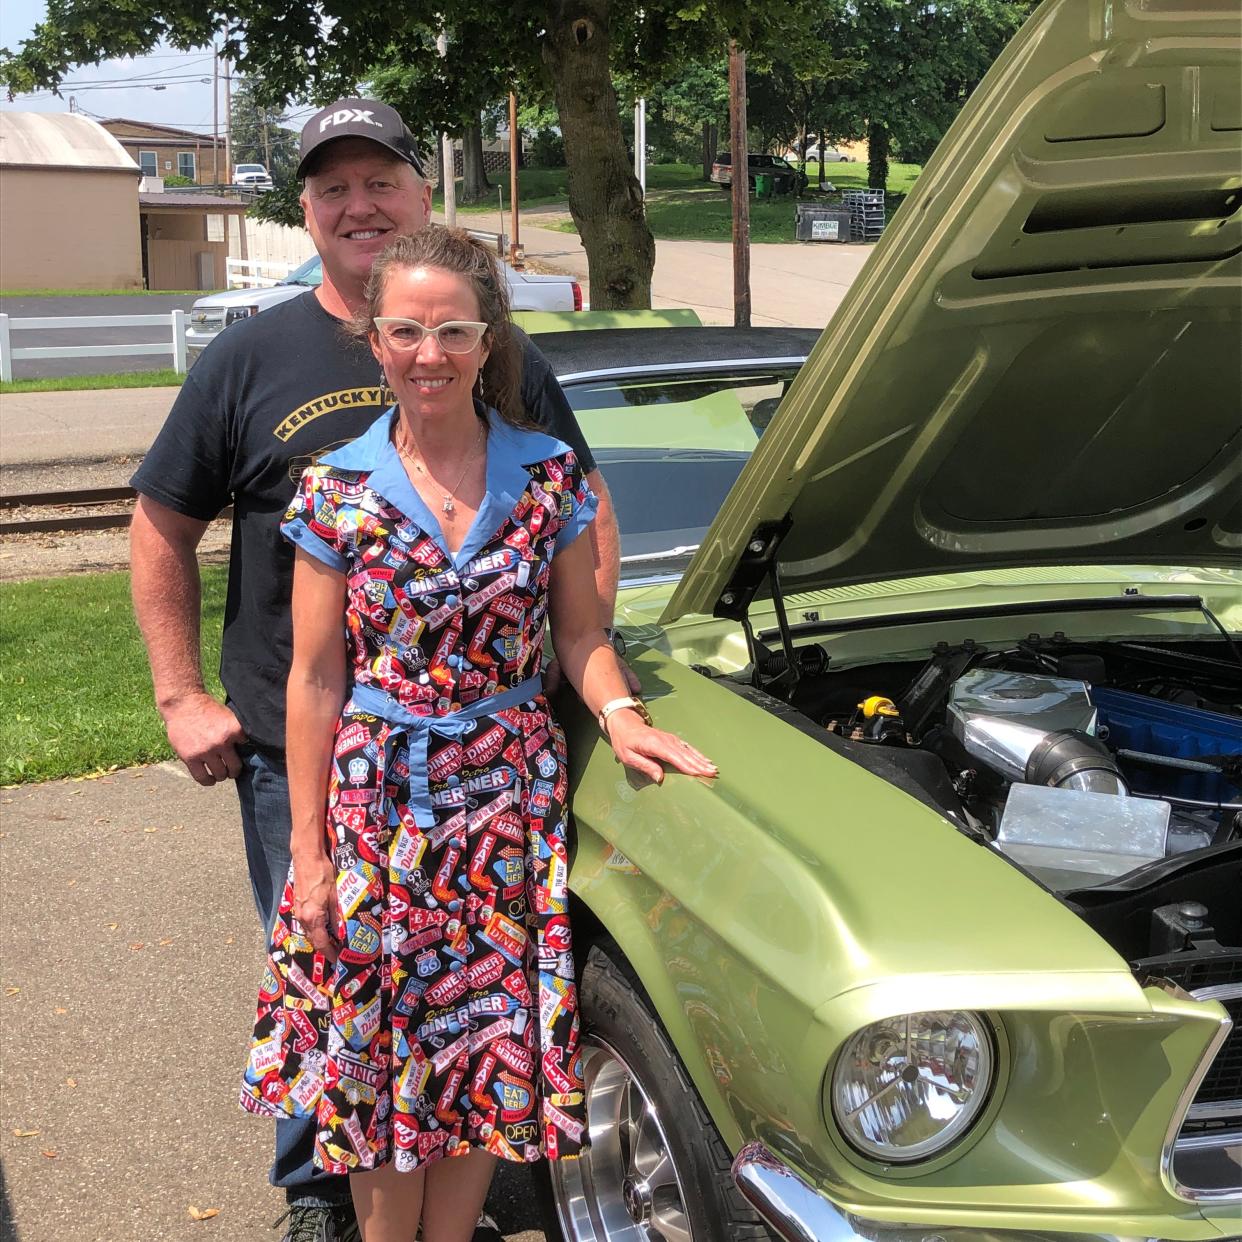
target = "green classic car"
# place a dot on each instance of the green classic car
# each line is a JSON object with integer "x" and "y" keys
{"x": 952, "y": 948}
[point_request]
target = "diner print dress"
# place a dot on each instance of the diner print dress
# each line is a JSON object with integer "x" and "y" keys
{"x": 450, "y": 1020}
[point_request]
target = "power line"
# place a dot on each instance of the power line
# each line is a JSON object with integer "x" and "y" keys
{"x": 170, "y": 73}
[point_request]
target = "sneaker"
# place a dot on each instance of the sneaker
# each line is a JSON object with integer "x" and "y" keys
{"x": 316, "y": 1223}
{"x": 486, "y": 1230}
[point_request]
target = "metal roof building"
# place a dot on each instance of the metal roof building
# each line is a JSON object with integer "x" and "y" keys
{"x": 68, "y": 205}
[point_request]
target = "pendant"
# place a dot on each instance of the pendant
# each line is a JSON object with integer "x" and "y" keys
{"x": 448, "y": 505}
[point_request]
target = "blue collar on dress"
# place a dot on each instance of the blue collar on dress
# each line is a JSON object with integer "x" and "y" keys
{"x": 509, "y": 451}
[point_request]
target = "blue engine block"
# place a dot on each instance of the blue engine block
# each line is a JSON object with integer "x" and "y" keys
{"x": 1137, "y": 722}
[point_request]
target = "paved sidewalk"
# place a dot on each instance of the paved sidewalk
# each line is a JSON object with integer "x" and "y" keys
{"x": 131, "y": 961}
{"x": 96, "y": 425}
{"x": 796, "y": 285}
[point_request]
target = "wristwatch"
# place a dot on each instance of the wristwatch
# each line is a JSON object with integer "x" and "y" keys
{"x": 616, "y": 705}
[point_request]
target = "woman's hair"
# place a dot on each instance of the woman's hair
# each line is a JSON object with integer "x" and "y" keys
{"x": 454, "y": 250}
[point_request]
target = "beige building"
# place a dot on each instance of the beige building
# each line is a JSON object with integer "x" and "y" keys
{"x": 162, "y": 151}
{"x": 187, "y": 237}
{"x": 68, "y": 205}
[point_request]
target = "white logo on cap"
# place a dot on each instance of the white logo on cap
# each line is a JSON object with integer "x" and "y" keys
{"x": 347, "y": 115}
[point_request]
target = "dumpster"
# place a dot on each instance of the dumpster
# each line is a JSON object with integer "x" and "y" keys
{"x": 763, "y": 185}
{"x": 816, "y": 223}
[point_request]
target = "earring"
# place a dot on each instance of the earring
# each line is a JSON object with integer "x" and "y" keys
{"x": 478, "y": 386}
{"x": 383, "y": 378}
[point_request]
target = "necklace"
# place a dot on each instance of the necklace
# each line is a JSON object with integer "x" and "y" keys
{"x": 446, "y": 505}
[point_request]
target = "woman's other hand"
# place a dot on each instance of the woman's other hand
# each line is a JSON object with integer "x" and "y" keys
{"x": 639, "y": 746}
{"x": 314, "y": 902}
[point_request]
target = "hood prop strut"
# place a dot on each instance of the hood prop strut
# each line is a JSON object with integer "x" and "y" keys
{"x": 758, "y": 561}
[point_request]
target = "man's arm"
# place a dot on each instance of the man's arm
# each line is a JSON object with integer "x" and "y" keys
{"x": 167, "y": 594}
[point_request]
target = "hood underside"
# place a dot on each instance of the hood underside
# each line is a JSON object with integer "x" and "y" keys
{"x": 1041, "y": 362}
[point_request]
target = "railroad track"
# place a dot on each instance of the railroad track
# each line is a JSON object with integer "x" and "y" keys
{"x": 110, "y": 508}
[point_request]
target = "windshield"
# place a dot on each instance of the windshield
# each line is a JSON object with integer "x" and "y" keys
{"x": 670, "y": 449}
{"x": 251, "y": 168}
{"x": 308, "y": 273}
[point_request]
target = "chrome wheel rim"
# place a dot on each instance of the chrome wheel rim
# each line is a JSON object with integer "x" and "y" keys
{"x": 625, "y": 1187}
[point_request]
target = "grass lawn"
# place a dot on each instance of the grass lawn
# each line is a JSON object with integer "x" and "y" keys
{"x": 165, "y": 378}
{"x": 536, "y": 186}
{"x": 75, "y": 693}
{"x": 680, "y": 204}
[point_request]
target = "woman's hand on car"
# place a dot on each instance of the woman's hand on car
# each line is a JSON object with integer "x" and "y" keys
{"x": 637, "y": 745}
{"x": 314, "y": 901}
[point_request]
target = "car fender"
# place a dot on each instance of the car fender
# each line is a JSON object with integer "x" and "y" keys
{"x": 772, "y": 911}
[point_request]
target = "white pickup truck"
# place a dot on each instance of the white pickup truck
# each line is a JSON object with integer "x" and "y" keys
{"x": 210, "y": 315}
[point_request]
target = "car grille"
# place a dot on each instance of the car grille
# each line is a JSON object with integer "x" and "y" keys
{"x": 207, "y": 320}
{"x": 1213, "y": 975}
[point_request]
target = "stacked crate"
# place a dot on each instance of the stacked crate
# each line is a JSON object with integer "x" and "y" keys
{"x": 866, "y": 208}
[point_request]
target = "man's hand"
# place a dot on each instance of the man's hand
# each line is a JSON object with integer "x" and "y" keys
{"x": 205, "y": 734}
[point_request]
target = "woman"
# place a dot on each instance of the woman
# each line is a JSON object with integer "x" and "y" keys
{"x": 420, "y": 996}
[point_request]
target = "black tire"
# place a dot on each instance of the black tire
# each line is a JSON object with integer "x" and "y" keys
{"x": 621, "y": 1035}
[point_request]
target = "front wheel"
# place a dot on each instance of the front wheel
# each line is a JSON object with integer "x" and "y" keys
{"x": 656, "y": 1170}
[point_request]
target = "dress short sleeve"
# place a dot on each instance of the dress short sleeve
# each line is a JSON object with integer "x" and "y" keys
{"x": 311, "y": 521}
{"x": 578, "y": 502}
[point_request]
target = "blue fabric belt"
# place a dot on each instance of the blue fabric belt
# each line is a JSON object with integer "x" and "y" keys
{"x": 418, "y": 729}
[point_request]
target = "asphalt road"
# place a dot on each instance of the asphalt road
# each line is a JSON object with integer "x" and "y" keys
{"x": 120, "y": 304}
{"x": 131, "y": 961}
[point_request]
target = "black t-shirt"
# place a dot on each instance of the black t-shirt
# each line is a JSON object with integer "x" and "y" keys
{"x": 270, "y": 395}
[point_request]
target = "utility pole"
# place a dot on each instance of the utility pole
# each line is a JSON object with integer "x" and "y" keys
{"x": 740, "y": 178}
{"x": 215, "y": 111}
{"x": 228, "y": 119}
{"x": 447, "y": 163}
{"x": 515, "y": 248}
{"x": 640, "y": 144}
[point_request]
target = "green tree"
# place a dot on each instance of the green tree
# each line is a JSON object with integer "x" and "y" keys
{"x": 559, "y": 49}
{"x": 913, "y": 65}
{"x": 695, "y": 104}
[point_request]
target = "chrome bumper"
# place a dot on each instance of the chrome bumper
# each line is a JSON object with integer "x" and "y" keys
{"x": 799, "y": 1213}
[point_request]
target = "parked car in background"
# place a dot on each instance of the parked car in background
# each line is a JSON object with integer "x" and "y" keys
{"x": 210, "y": 315}
{"x": 831, "y": 155}
{"x": 786, "y": 178}
{"x": 252, "y": 177}
{"x": 952, "y": 947}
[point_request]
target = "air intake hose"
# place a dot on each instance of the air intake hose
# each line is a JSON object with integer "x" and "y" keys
{"x": 1070, "y": 759}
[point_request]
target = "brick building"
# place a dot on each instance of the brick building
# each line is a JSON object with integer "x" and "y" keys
{"x": 162, "y": 151}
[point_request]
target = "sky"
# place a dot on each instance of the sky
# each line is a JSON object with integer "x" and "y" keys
{"x": 121, "y": 88}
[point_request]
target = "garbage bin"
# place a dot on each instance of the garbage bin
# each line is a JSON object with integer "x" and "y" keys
{"x": 763, "y": 185}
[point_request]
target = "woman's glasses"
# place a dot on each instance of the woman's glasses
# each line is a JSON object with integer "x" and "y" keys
{"x": 457, "y": 336}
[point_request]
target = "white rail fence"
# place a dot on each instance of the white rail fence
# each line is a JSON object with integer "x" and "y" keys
{"x": 255, "y": 273}
{"x": 174, "y": 324}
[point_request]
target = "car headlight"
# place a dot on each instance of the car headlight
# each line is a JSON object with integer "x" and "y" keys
{"x": 909, "y": 1087}
{"x": 234, "y": 313}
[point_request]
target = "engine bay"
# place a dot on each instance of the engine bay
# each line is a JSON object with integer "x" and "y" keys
{"x": 1098, "y": 768}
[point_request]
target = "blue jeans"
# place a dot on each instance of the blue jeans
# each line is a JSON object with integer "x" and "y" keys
{"x": 263, "y": 790}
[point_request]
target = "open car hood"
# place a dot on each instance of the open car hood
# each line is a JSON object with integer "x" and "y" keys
{"x": 1040, "y": 363}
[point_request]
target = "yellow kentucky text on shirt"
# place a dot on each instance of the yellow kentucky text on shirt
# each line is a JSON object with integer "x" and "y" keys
{"x": 375, "y": 396}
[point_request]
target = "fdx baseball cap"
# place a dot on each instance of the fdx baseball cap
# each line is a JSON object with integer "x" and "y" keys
{"x": 358, "y": 118}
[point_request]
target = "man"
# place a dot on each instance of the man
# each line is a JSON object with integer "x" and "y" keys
{"x": 273, "y": 393}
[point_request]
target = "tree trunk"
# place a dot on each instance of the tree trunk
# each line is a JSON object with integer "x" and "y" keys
{"x": 605, "y": 198}
{"x": 475, "y": 185}
{"x": 821, "y": 159}
{"x": 877, "y": 156}
{"x": 709, "y": 149}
